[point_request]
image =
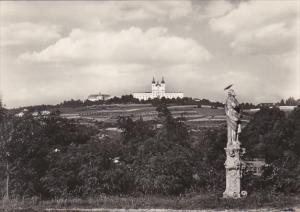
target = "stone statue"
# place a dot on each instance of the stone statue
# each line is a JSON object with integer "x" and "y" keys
{"x": 233, "y": 117}
{"x": 233, "y": 163}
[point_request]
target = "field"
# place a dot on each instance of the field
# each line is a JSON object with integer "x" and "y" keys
{"x": 110, "y": 113}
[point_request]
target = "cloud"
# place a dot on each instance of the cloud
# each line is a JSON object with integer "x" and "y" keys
{"x": 117, "y": 46}
{"x": 132, "y": 45}
{"x": 98, "y": 12}
{"x": 260, "y": 27}
{"x": 27, "y": 33}
{"x": 290, "y": 63}
{"x": 154, "y": 10}
{"x": 254, "y": 14}
{"x": 271, "y": 39}
{"x": 214, "y": 9}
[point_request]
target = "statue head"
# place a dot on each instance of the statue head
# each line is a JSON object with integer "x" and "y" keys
{"x": 231, "y": 92}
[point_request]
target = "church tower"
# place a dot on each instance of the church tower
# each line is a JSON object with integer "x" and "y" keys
{"x": 153, "y": 86}
{"x": 163, "y": 87}
{"x": 158, "y": 90}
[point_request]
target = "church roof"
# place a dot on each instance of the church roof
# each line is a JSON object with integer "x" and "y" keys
{"x": 163, "y": 80}
{"x": 153, "y": 80}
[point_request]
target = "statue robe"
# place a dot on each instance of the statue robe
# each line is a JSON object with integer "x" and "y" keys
{"x": 233, "y": 116}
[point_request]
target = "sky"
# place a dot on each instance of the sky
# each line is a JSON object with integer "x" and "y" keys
{"x": 51, "y": 51}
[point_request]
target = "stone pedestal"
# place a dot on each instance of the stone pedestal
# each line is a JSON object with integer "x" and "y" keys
{"x": 234, "y": 165}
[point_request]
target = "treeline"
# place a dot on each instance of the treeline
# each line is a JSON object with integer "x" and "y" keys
{"x": 291, "y": 101}
{"x": 124, "y": 99}
{"x": 129, "y": 99}
{"x": 51, "y": 157}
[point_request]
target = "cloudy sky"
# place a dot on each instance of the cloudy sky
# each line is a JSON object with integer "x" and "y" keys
{"x": 53, "y": 51}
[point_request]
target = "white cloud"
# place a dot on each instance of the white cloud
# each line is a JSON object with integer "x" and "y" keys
{"x": 27, "y": 33}
{"x": 132, "y": 45}
{"x": 254, "y": 14}
{"x": 271, "y": 39}
{"x": 263, "y": 27}
{"x": 266, "y": 30}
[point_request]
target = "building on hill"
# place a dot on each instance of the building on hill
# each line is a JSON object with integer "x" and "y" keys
{"x": 97, "y": 97}
{"x": 158, "y": 90}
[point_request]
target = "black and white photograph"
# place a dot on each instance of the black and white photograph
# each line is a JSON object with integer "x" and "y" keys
{"x": 149, "y": 106}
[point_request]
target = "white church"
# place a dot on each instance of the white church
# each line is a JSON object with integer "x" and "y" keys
{"x": 158, "y": 91}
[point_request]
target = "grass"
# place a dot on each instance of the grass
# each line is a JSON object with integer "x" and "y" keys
{"x": 188, "y": 202}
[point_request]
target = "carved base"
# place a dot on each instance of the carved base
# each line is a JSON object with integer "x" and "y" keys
{"x": 233, "y": 182}
{"x": 233, "y": 167}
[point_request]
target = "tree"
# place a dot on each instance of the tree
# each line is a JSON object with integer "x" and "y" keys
{"x": 163, "y": 167}
{"x": 209, "y": 159}
{"x": 29, "y": 142}
{"x": 273, "y": 135}
{"x": 164, "y": 162}
{"x": 263, "y": 136}
{"x": 72, "y": 103}
{"x": 281, "y": 103}
{"x": 5, "y": 136}
{"x": 291, "y": 102}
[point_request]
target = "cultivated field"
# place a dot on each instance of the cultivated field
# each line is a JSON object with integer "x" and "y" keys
{"x": 110, "y": 113}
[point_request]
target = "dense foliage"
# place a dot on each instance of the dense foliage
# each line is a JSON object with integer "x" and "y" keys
{"x": 275, "y": 136}
{"x": 52, "y": 157}
{"x": 27, "y": 145}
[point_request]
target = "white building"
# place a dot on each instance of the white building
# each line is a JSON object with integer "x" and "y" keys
{"x": 97, "y": 97}
{"x": 158, "y": 90}
{"x": 21, "y": 114}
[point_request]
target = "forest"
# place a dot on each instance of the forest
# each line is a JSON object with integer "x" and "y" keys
{"x": 49, "y": 157}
